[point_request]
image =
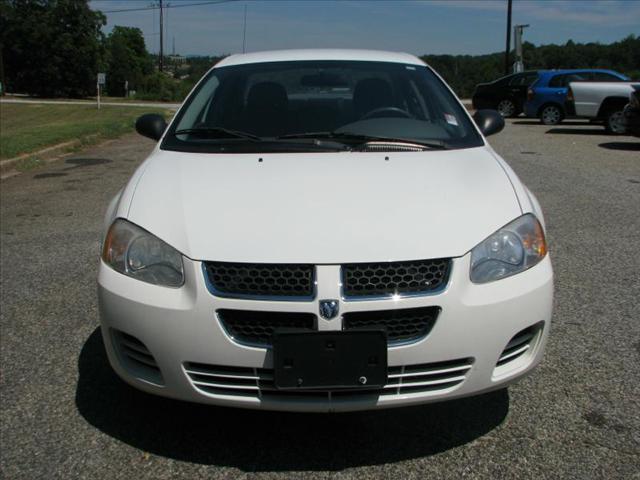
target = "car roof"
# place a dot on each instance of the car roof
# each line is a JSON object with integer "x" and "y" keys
{"x": 524, "y": 72}
{"x": 320, "y": 54}
{"x": 577, "y": 70}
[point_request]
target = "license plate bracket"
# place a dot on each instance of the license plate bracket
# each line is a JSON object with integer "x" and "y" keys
{"x": 330, "y": 360}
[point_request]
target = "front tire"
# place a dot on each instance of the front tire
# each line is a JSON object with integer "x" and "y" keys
{"x": 507, "y": 108}
{"x": 551, "y": 115}
{"x": 614, "y": 123}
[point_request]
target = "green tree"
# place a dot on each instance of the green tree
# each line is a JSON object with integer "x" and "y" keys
{"x": 127, "y": 60}
{"x": 463, "y": 72}
{"x": 51, "y": 47}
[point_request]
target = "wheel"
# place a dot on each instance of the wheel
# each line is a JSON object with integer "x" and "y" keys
{"x": 615, "y": 123}
{"x": 551, "y": 115}
{"x": 506, "y": 108}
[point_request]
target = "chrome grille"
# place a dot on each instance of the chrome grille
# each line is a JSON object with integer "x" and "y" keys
{"x": 428, "y": 376}
{"x": 402, "y": 325}
{"x": 394, "y": 278}
{"x": 258, "y": 382}
{"x": 280, "y": 281}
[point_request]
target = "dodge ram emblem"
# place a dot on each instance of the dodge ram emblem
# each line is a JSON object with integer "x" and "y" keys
{"x": 329, "y": 309}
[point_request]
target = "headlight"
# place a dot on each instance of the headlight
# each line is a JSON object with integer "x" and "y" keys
{"x": 132, "y": 251}
{"x": 512, "y": 249}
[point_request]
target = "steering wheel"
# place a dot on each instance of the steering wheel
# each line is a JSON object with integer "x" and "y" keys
{"x": 394, "y": 111}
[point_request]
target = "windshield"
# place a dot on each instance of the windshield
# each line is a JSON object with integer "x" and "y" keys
{"x": 306, "y": 105}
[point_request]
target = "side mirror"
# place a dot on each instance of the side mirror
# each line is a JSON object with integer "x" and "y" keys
{"x": 488, "y": 121}
{"x": 151, "y": 125}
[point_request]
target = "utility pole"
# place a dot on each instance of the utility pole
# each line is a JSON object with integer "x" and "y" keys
{"x": 506, "y": 53}
{"x": 160, "y": 60}
{"x": 244, "y": 31}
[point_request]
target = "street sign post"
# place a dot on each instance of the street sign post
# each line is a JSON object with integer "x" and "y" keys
{"x": 102, "y": 79}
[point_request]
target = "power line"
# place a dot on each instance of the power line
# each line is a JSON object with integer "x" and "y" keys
{"x": 180, "y": 5}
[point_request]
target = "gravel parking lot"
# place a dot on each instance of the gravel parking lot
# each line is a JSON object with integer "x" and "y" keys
{"x": 65, "y": 414}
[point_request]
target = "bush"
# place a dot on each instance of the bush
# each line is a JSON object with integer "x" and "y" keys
{"x": 161, "y": 87}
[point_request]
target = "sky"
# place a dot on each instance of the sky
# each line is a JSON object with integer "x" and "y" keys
{"x": 419, "y": 27}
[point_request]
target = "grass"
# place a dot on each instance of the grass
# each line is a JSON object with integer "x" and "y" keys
{"x": 28, "y": 163}
{"x": 27, "y": 128}
{"x": 91, "y": 100}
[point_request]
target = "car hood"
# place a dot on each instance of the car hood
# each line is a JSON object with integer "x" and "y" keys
{"x": 323, "y": 207}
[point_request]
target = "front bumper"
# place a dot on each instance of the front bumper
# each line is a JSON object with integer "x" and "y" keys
{"x": 179, "y": 328}
{"x": 632, "y": 120}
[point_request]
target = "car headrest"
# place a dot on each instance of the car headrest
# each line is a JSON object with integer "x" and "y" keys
{"x": 370, "y": 94}
{"x": 267, "y": 96}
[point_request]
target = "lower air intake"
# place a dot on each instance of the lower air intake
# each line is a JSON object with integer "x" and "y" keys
{"x": 137, "y": 358}
{"x": 519, "y": 345}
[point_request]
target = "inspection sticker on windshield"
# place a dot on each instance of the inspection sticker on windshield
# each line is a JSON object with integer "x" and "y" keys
{"x": 451, "y": 120}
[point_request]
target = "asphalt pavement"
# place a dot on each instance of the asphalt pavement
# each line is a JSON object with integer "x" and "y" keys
{"x": 64, "y": 414}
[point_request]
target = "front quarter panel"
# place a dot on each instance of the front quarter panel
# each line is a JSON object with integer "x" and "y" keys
{"x": 111, "y": 215}
{"x": 120, "y": 204}
{"x": 527, "y": 200}
{"x": 518, "y": 187}
{"x": 535, "y": 207}
{"x": 120, "y": 208}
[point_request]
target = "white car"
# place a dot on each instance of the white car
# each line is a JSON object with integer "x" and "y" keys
{"x": 323, "y": 230}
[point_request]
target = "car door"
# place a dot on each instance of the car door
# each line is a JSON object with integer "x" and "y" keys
{"x": 498, "y": 91}
{"x": 559, "y": 85}
{"x": 517, "y": 89}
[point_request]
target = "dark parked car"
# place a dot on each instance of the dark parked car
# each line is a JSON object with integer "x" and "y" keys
{"x": 632, "y": 113}
{"x": 506, "y": 95}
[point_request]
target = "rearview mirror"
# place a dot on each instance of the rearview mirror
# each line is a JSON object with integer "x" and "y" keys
{"x": 488, "y": 121}
{"x": 151, "y": 125}
{"x": 323, "y": 79}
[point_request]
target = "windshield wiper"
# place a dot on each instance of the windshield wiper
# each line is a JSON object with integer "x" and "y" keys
{"x": 221, "y": 133}
{"x": 217, "y": 132}
{"x": 358, "y": 137}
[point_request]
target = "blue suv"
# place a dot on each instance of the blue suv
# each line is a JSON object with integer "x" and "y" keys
{"x": 546, "y": 97}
